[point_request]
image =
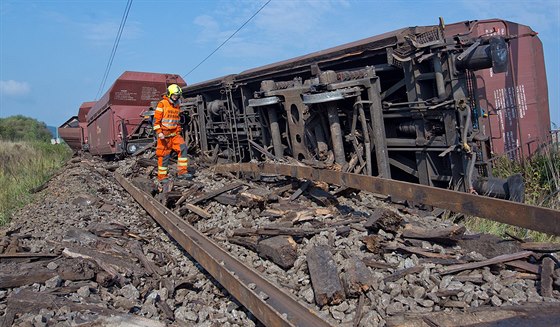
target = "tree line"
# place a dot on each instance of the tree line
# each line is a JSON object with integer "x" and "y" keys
{"x": 21, "y": 128}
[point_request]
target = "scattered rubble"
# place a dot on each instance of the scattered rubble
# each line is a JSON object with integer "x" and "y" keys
{"x": 85, "y": 252}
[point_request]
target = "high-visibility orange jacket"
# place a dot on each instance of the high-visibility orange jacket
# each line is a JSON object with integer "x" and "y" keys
{"x": 166, "y": 117}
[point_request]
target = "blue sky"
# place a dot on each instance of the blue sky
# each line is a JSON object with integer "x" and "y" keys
{"x": 53, "y": 53}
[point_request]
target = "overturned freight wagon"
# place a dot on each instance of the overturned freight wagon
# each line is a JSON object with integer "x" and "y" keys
{"x": 73, "y": 131}
{"x": 417, "y": 104}
{"x": 115, "y": 124}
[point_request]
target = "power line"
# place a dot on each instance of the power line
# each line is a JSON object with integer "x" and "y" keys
{"x": 115, "y": 46}
{"x": 232, "y": 35}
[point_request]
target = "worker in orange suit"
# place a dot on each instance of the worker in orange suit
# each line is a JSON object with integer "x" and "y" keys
{"x": 168, "y": 131}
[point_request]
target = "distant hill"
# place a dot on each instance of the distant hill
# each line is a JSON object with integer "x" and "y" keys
{"x": 52, "y": 129}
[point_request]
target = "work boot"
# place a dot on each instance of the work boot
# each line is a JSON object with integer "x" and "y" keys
{"x": 164, "y": 185}
{"x": 185, "y": 176}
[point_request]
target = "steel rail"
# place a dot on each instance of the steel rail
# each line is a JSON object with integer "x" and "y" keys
{"x": 513, "y": 213}
{"x": 277, "y": 308}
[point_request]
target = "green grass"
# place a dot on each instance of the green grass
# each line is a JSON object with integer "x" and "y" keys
{"x": 24, "y": 166}
{"x": 541, "y": 174}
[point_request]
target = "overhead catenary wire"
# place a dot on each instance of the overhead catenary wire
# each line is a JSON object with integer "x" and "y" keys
{"x": 232, "y": 35}
{"x": 114, "y": 49}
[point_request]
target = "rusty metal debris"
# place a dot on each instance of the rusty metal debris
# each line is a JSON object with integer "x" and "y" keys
{"x": 523, "y": 215}
{"x": 277, "y": 309}
{"x": 381, "y": 251}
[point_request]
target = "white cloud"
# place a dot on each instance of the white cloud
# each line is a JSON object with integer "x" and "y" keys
{"x": 14, "y": 88}
{"x": 105, "y": 32}
{"x": 274, "y": 34}
{"x": 97, "y": 29}
{"x": 282, "y": 30}
{"x": 541, "y": 15}
{"x": 100, "y": 32}
{"x": 207, "y": 23}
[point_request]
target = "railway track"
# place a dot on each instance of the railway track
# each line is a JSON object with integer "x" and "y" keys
{"x": 268, "y": 303}
{"x": 412, "y": 282}
{"x": 278, "y": 308}
{"x": 517, "y": 214}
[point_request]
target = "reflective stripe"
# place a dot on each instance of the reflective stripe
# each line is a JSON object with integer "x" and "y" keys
{"x": 182, "y": 162}
{"x": 167, "y": 116}
{"x": 169, "y": 123}
{"x": 160, "y": 168}
{"x": 157, "y": 127}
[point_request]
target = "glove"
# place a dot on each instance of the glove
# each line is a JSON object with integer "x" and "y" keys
{"x": 161, "y": 136}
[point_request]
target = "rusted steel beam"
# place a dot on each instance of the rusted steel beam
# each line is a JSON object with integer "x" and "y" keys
{"x": 275, "y": 133}
{"x": 518, "y": 214}
{"x": 277, "y": 308}
{"x": 488, "y": 262}
{"x": 336, "y": 134}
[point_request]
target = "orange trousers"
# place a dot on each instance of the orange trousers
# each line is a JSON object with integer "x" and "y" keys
{"x": 163, "y": 152}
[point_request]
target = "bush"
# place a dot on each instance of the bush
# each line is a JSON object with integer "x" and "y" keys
{"x": 21, "y": 128}
{"x": 541, "y": 174}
